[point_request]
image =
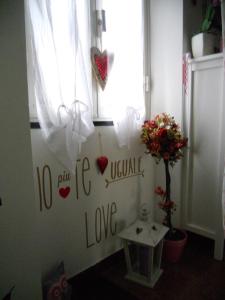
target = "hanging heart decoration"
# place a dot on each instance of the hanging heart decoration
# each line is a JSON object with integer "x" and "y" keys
{"x": 101, "y": 63}
{"x": 102, "y": 163}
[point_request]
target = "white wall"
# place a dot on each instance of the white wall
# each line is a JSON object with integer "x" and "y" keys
{"x": 166, "y": 77}
{"x": 19, "y": 257}
{"x": 68, "y": 226}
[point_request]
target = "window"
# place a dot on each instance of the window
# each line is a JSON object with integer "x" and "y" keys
{"x": 126, "y": 37}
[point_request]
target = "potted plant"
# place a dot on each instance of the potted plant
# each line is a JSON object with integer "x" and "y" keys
{"x": 207, "y": 40}
{"x": 164, "y": 141}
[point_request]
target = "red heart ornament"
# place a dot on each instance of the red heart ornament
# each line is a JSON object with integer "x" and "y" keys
{"x": 102, "y": 163}
{"x": 64, "y": 192}
{"x": 101, "y": 63}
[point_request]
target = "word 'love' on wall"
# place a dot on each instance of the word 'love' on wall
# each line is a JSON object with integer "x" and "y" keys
{"x": 100, "y": 224}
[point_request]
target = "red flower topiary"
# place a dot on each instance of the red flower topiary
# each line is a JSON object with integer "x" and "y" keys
{"x": 164, "y": 140}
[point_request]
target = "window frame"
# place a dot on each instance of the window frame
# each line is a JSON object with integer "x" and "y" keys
{"x": 146, "y": 61}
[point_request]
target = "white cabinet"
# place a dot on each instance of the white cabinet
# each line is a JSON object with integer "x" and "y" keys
{"x": 204, "y": 122}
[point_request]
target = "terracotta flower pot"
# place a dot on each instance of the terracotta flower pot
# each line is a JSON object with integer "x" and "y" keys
{"x": 173, "y": 250}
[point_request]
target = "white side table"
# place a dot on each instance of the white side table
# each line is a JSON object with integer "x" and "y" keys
{"x": 143, "y": 243}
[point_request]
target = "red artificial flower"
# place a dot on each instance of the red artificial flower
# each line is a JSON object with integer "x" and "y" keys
{"x": 145, "y": 124}
{"x": 181, "y": 144}
{"x": 166, "y": 156}
{"x": 171, "y": 148}
{"x": 166, "y": 204}
{"x": 153, "y": 124}
{"x": 162, "y": 133}
{"x": 154, "y": 147}
{"x": 159, "y": 191}
{"x": 175, "y": 126}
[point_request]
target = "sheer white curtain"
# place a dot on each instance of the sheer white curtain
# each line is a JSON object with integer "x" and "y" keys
{"x": 59, "y": 73}
{"x": 124, "y": 92}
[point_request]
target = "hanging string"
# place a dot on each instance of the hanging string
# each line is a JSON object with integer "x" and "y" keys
{"x": 99, "y": 21}
{"x": 100, "y": 143}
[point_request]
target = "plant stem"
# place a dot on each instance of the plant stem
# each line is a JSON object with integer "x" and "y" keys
{"x": 168, "y": 211}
